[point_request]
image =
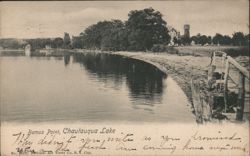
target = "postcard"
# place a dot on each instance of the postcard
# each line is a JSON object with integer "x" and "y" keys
{"x": 124, "y": 78}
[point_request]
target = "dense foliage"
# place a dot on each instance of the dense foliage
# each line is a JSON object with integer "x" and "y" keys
{"x": 146, "y": 28}
{"x": 103, "y": 35}
{"x": 141, "y": 31}
{"x": 11, "y": 43}
{"x": 237, "y": 39}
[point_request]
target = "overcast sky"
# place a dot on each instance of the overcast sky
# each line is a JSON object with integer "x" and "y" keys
{"x": 52, "y": 19}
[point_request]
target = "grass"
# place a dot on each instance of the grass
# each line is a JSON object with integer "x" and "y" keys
{"x": 233, "y": 51}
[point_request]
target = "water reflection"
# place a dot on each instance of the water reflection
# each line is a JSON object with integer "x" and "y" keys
{"x": 88, "y": 87}
{"x": 66, "y": 59}
{"x": 144, "y": 81}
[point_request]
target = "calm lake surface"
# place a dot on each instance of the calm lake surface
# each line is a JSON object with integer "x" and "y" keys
{"x": 88, "y": 88}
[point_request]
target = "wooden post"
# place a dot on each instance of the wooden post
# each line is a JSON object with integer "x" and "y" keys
{"x": 226, "y": 85}
{"x": 195, "y": 87}
{"x": 241, "y": 98}
{"x": 210, "y": 72}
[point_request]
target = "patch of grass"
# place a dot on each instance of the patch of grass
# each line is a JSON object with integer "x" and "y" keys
{"x": 233, "y": 51}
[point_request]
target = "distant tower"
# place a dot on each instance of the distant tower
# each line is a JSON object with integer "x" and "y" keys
{"x": 186, "y": 30}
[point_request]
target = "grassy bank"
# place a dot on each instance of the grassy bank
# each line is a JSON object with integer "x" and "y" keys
{"x": 233, "y": 51}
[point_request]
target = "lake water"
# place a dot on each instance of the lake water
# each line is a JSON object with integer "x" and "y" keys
{"x": 88, "y": 88}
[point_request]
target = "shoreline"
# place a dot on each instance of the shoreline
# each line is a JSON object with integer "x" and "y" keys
{"x": 180, "y": 68}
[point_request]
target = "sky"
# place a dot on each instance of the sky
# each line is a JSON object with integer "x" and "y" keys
{"x": 51, "y": 19}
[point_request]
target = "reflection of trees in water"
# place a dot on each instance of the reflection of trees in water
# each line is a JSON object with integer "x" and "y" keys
{"x": 66, "y": 59}
{"x": 107, "y": 70}
{"x": 144, "y": 81}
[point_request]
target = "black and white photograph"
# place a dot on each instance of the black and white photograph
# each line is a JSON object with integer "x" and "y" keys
{"x": 124, "y": 77}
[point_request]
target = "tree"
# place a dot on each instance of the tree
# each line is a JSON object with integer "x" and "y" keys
{"x": 209, "y": 40}
{"x": 218, "y": 39}
{"x": 226, "y": 40}
{"x": 66, "y": 40}
{"x": 116, "y": 37}
{"x": 77, "y": 42}
{"x": 186, "y": 40}
{"x": 247, "y": 38}
{"x": 146, "y": 28}
{"x": 40, "y": 43}
{"x": 239, "y": 39}
{"x": 195, "y": 39}
{"x": 57, "y": 42}
{"x": 106, "y": 35}
{"x": 11, "y": 43}
{"x": 177, "y": 41}
{"x": 204, "y": 40}
{"x": 201, "y": 39}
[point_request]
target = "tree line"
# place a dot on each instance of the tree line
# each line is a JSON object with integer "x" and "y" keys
{"x": 143, "y": 31}
{"x": 37, "y": 43}
{"x": 58, "y": 42}
{"x": 237, "y": 39}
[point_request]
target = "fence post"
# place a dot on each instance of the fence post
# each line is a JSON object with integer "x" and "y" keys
{"x": 241, "y": 98}
{"x": 226, "y": 84}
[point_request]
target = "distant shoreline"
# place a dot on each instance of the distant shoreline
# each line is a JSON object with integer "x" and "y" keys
{"x": 11, "y": 50}
{"x": 196, "y": 50}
